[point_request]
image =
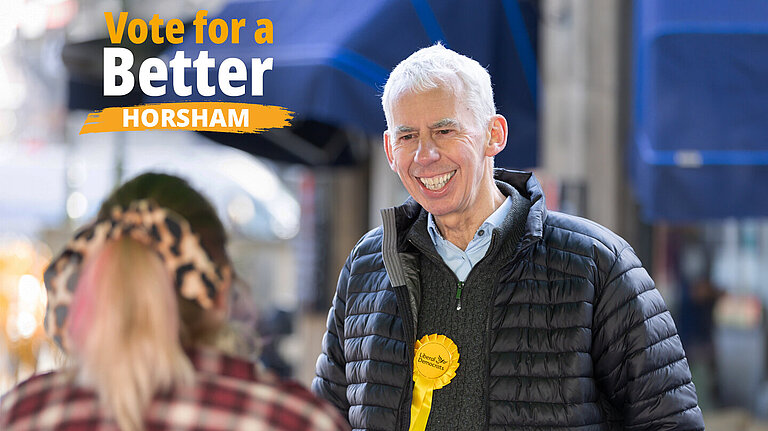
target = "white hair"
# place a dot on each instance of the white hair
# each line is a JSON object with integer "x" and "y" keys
{"x": 437, "y": 66}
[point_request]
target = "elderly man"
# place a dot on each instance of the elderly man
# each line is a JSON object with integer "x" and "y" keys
{"x": 472, "y": 307}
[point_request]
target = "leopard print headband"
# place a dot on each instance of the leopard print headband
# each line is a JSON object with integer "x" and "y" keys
{"x": 195, "y": 275}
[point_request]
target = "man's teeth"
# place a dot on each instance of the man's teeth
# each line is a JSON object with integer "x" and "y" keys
{"x": 437, "y": 182}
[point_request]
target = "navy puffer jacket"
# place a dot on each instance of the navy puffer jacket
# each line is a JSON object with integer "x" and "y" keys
{"x": 580, "y": 338}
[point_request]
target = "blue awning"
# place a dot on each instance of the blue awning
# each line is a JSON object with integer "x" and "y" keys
{"x": 700, "y": 144}
{"x": 331, "y": 58}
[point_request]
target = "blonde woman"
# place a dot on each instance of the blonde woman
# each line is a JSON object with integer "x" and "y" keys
{"x": 138, "y": 299}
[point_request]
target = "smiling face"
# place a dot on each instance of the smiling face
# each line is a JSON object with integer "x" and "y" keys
{"x": 442, "y": 156}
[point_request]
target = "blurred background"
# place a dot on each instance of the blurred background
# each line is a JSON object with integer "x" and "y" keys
{"x": 647, "y": 116}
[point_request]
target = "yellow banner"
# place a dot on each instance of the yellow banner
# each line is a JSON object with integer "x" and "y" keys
{"x": 202, "y": 116}
{"x": 435, "y": 361}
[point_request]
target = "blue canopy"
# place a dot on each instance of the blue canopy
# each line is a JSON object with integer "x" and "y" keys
{"x": 700, "y": 145}
{"x": 331, "y": 59}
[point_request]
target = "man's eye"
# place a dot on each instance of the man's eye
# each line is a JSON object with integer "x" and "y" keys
{"x": 407, "y": 137}
{"x": 444, "y": 131}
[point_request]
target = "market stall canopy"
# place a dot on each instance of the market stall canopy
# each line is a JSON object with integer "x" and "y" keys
{"x": 700, "y": 145}
{"x": 331, "y": 59}
{"x": 249, "y": 195}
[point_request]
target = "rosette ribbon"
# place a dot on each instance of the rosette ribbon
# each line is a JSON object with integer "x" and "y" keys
{"x": 435, "y": 360}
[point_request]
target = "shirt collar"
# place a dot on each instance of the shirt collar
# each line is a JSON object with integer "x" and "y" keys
{"x": 493, "y": 221}
{"x": 211, "y": 361}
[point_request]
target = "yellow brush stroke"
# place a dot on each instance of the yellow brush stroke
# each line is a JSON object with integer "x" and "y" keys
{"x": 260, "y": 117}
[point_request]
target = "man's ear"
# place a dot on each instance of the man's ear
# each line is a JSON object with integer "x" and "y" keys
{"x": 498, "y": 135}
{"x": 388, "y": 150}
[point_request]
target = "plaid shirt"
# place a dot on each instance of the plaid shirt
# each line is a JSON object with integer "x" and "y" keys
{"x": 228, "y": 395}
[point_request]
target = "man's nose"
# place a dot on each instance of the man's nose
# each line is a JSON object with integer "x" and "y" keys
{"x": 427, "y": 151}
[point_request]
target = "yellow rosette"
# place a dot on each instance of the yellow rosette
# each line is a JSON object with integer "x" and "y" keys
{"x": 435, "y": 361}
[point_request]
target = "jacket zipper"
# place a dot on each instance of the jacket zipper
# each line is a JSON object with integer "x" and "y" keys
{"x": 401, "y": 294}
{"x": 459, "y": 287}
{"x": 488, "y": 331}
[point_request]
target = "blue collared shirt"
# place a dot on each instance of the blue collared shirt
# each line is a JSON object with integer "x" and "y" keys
{"x": 460, "y": 261}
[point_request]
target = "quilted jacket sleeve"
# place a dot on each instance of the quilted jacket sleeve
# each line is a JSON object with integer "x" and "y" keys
{"x": 639, "y": 359}
{"x": 330, "y": 382}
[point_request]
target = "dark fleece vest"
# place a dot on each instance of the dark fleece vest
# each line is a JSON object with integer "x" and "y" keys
{"x": 457, "y": 403}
